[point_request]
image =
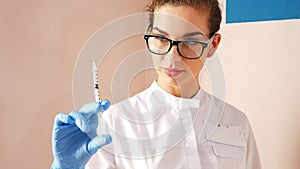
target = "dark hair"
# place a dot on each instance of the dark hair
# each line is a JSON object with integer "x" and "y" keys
{"x": 210, "y": 6}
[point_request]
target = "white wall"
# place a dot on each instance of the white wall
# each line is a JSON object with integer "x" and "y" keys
{"x": 261, "y": 65}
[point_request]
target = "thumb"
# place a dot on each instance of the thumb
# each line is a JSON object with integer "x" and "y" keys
{"x": 104, "y": 105}
{"x": 98, "y": 142}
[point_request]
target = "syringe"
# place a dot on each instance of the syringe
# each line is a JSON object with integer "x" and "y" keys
{"x": 96, "y": 87}
{"x": 96, "y": 82}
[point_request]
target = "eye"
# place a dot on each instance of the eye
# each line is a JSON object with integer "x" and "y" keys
{"x": 191, "y": 43}
{"x": 161, "y": 38}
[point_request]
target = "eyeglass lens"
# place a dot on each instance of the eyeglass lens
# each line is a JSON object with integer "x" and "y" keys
{"x": 161, "y": 45}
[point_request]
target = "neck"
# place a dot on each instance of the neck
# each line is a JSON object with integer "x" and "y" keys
{"x": 186, "y": 90}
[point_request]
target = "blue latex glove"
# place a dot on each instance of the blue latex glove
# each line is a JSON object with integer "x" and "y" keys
{"x": 74, "y": 137}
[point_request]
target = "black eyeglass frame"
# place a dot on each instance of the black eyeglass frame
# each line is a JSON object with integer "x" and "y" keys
{"x": 176, "y": 42}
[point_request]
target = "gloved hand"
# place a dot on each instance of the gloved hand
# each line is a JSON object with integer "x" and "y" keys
{"x": 74, "y": 137}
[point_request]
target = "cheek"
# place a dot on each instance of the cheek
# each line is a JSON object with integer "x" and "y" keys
{"x": 194, "y": 66}
{"x": 155, "y": 60}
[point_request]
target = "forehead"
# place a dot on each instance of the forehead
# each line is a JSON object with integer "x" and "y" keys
{"x": 179, "y": 20}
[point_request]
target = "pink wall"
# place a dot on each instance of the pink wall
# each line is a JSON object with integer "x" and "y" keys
{"x": 39, "y": 44}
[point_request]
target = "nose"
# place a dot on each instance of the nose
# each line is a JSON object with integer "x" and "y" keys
{"x": 173, "y": 54}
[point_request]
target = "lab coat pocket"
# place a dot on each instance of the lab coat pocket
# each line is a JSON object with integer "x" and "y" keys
{"x": 228, "y": 151}
{"x": 228, "y": 142}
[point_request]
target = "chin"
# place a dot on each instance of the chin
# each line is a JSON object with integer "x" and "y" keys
{"x": 171, "y": 81}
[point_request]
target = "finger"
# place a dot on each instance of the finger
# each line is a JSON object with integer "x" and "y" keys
{"x": 62, "y": 118}
{"x": 93, "y": 121}
{"x": 104, "y": 105}
{"x": 81, "y": 121}
{"x": 95, "y": 107}
{"x": 98, "y": 142}
{"x": 86, "y": 119}
{"x": 90, "y": 108}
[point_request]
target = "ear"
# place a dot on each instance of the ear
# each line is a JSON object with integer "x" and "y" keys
{"x": 214, "y": 45}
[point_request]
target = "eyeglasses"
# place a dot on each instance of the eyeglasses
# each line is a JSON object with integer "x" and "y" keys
{"x": 189, "y": 49}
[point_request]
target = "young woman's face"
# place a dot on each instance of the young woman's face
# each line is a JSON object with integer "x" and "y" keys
{"x": 180, "y": 23}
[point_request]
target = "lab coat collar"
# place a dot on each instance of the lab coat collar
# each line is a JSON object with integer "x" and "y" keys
{"x": 182, "y": 103}
{"x": 212, "y": 118}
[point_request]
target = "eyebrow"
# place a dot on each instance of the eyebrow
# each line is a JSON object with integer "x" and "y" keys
{"x": 185, "y": 35}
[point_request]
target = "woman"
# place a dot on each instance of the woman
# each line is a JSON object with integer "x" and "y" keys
{"x": 172, "y": 124}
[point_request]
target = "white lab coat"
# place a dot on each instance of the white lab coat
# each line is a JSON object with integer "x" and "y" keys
{"x": 155, "y": 129}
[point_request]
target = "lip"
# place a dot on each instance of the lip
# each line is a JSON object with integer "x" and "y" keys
{"x": 172, "y": 72}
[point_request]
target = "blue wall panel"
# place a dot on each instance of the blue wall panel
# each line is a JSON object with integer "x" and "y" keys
{"x": 261, "y": 10}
